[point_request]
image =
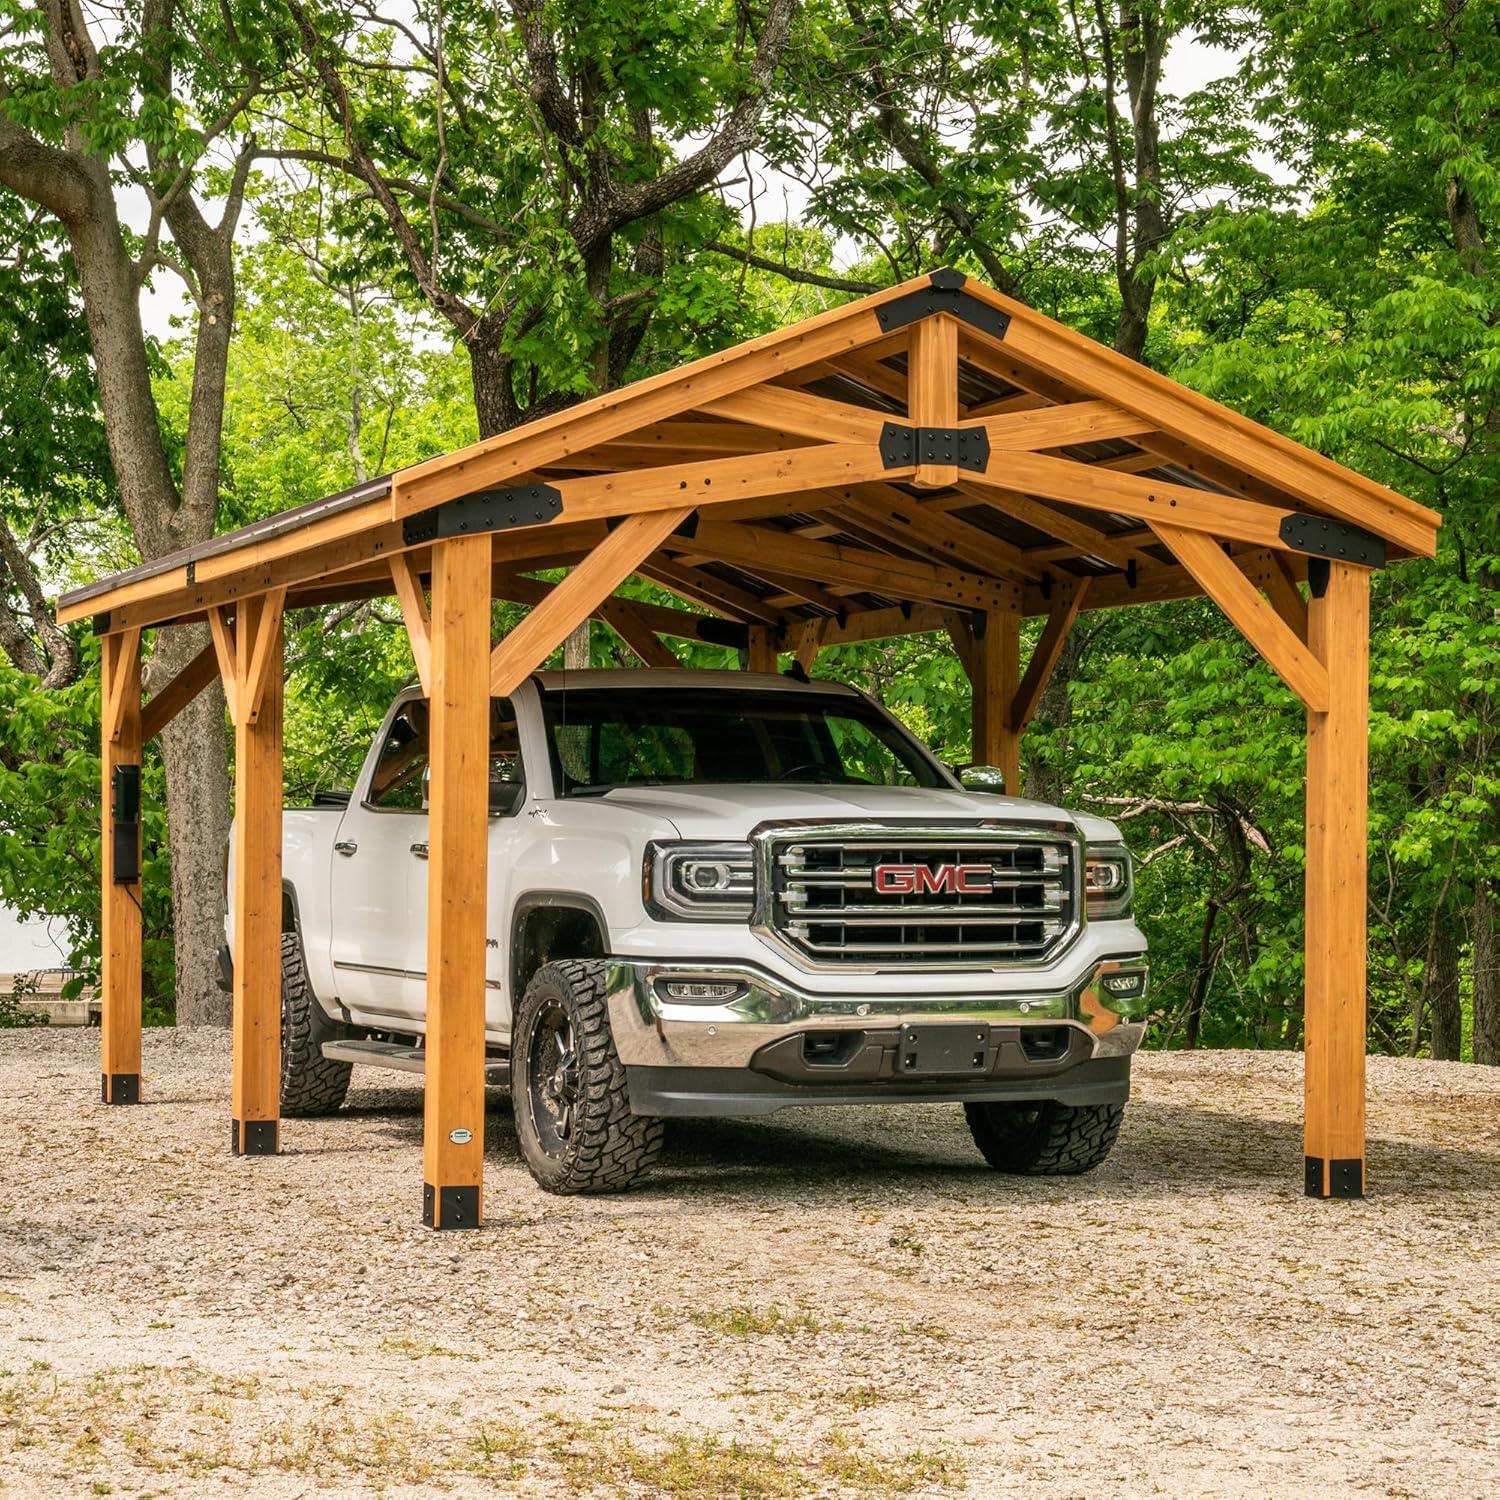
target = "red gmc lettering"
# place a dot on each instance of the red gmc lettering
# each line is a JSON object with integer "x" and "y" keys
{"x": 925, "y": 880}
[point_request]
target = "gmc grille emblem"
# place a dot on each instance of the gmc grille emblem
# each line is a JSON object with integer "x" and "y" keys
{"x": 934, "y": 880}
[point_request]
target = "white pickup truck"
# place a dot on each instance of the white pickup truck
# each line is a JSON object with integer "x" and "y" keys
{"x": 721, "y": 893}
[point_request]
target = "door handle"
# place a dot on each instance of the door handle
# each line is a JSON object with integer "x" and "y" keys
{"x": 420, "y": 850}
{"x": 345, "y": 846}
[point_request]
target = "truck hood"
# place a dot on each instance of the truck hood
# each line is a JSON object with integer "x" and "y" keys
{"x": 731, "y": 812}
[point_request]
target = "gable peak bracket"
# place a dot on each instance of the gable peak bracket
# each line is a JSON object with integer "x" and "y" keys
{"x": 1319, "y": 536}
{"x": 944, "y": 294}
{"x": 902, "y": 446}
{"x": 486, "y": 510}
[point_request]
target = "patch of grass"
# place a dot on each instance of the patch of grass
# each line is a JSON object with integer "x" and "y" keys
{"x": 420, "y": 1349}
{"x": 748, "y": 1322}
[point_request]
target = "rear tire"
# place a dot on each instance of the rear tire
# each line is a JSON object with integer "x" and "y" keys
{"x": 1044, "y": 1138}
{"x": 572, "y": 1107}
{"x": 311, "y": 1084}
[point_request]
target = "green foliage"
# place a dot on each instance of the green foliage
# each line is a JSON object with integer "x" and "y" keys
{"x": 49, "y": 821}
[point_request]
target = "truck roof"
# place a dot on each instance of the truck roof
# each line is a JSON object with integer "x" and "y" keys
{"x": 628, "y": 679}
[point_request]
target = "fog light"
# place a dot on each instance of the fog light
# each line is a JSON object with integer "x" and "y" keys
{"x": 1124, "y": 986}
{"x": 700, "y": 989}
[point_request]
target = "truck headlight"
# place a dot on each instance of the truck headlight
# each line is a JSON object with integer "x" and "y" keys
{"x": 1108, "y": 882}
{"x": 695, "y": 882}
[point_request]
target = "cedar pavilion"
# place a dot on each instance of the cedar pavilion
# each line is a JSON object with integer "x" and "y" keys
{"x": 932, "y": 457}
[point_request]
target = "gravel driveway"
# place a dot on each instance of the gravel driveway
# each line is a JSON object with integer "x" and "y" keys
{"x": 837, "y": 1301}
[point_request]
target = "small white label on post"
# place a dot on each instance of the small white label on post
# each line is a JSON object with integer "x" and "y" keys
{"x": 460, "y": 1137}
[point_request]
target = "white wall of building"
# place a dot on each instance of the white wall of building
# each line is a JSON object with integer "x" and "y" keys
{"x": 39, "y": 944}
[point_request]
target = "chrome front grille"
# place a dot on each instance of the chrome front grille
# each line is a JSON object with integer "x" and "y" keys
{"x": 893, "y": 899}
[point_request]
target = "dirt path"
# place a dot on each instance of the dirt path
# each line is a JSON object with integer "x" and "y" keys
{"x": 825, "y": 1302}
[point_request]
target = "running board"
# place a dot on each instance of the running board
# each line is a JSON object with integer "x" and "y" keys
{"x": 402, "y": 1058}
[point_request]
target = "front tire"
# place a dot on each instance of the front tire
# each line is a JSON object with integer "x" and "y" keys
{"x": 572, "y": 1108}
{"x": 311, "y": 1084}
{"x": 1044, "y": 1138}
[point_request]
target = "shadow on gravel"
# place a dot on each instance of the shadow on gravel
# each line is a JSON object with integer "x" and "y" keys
{"x": 1163, "y": 1148}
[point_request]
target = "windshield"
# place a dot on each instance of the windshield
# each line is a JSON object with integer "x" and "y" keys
{"x": 607, "y": 738}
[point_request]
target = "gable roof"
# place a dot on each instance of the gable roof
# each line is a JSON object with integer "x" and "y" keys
{"x": 834, "y": 473}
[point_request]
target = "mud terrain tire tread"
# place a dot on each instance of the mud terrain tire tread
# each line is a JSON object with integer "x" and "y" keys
{"x": 610, "y": 1148}
{"x": 1044, "y": 1138}
{"x": 311, "y": 1084}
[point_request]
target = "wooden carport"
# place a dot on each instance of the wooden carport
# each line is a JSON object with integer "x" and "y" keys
{"x": 933, "y": 457}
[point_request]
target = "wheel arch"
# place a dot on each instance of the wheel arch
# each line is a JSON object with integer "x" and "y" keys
{"x": 545, "y": 925}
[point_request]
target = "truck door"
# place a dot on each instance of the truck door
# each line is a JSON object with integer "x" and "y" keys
{"x": 377, "y": 938}
{"x": 507, "y": 793}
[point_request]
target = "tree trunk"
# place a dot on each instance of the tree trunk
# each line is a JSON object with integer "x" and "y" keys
{"x": 1487, "y": 973}
{"x": 1441, "y": 986}
{"x": 494, "y": 400}
{"x": 195, "y": 754}
{"x": 577, "y": 649}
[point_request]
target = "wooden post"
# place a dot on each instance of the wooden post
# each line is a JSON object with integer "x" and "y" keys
{"x": 995, "y": 681}
{"x": 932, "y": 390}
{"x": 120, "y": 908}
{"x": 761, "y": 655}
{"x": 1337, "y": 811}
{"x": 257, "y": 702}
{"x": 457, "y": 882}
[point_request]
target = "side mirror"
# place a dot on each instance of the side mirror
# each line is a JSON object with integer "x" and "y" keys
{"x": 983, "y": 779}
{"x": 506, "y": 797}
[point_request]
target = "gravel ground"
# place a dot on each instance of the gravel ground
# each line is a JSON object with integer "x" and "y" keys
{"x": 837, "y": 1301}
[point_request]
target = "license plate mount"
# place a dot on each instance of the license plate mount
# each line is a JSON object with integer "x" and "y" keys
{"x": 943, "y": 1049}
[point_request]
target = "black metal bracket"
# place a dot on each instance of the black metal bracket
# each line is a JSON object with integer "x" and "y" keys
{"x": 902, "y": 446}
{"x": 1317, "y": 576}
{"x": 120, "y": 1088}
{"x": 1322, "y": 537}
{"x": 718, "y": 632}
{"x": 450, "y": 1207}
{"x": 487, "y": 510}
{"x": 254, "y": 1137}
{"x": 946, "y": 294}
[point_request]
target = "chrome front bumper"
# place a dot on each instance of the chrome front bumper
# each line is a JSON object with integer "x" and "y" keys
{"x": 654, "y": 1030}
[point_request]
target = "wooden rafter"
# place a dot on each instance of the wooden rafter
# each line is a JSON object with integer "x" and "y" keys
{"x": 932, "y": 390}
{"x": 1247, "y": 608}
{"x": 829, "y": 562}
{"x": 698, "y": 587}
{"x": 191, "y": 680}
{"x": 1045, "y": 653}
{"x": 578, "y": 596}
{"x": 414, "y": 611}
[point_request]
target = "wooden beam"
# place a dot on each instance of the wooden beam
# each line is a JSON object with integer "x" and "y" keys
{"x": 788, "y": 410}
{"x": 578, "y": 596}
{"x": 894, "y": 577}
{"x": 123, "y": 693}
{"x": 1045, "y": 654}
{"x": 180, "y": 691}
{"x": 222, "y": 634}
{"x": 659, "y": 619}
{"x": 500, "y": 460}
{"x": 703, "y": 588}
{"x": 266, "y": 658}
{"x": 996, "y": 655}
{"x": 1337, "y": 829}
{"x": 807, "y": 641}
{"x": 1281, "y": 589}
{"x": 1256, "y": 620}
{"x": 1088, "y": 541}
{"x": 932, "y": 390}
{"x": 120, "y": 904}
{"x": 1153, "y": 584}
{"x": 457, "y": 879}
{"x": 921, "y": 527}
{"x": 881, "y": 624}
{"x": 1060, "y": 426}
{"x": 413, "y": 600}
{"x": 621, "y": 617}
{"x": 761, "y": 654}
{"x": 1213, "y": 429}
{"x": 1223, "y": 516}
{"x": 255, "y": 1108}
{"x": 709, "y": 482}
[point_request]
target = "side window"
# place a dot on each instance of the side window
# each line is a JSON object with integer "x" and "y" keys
{"x": 399, "y": 782}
